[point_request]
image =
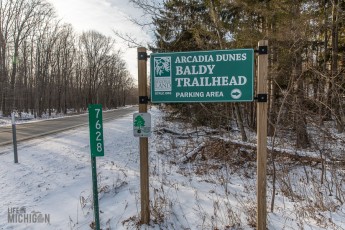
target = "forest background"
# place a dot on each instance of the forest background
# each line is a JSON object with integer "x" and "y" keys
{"x": 45, "y": 66}
{"x": 306, "y": 58}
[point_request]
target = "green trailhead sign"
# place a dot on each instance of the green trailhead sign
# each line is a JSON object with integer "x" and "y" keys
{"x": 202, "y": 76}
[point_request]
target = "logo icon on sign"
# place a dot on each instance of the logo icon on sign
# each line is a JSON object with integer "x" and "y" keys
{"x": 162, "y": 73}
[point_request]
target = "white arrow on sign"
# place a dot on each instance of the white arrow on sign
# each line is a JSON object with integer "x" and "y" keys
{"x": 236, "y": 93}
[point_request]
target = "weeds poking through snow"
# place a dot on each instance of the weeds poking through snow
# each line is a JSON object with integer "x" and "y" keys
{"x": 308, "y": 189}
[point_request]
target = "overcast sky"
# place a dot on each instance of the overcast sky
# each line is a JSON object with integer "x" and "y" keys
{"x": 105, "y": 16}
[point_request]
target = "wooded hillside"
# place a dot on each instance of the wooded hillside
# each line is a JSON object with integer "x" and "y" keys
{"x": 306, "y": 57}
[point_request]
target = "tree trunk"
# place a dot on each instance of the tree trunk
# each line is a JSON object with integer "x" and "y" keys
{"x": 335, "y": 76}
{"x": 240, "y": 122}
{"x": 302, "y": 139}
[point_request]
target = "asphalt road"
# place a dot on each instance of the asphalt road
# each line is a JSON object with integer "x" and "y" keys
{"x": 32, "y": 130}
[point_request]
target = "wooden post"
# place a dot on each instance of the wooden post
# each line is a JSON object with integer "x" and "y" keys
{"x": 144, "y": 159}
{"x": 262, "y": 135}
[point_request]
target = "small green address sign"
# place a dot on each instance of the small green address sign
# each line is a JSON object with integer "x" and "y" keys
{"x": 96, "y": 130}
{"x": 202, "y": 76}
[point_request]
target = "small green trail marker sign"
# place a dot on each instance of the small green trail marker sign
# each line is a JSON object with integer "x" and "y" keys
{"x": 97, "y": 149}
{"x": 96, "y": 130}
{"x": 202, "y": 76}
{"x": 142, "y": 124}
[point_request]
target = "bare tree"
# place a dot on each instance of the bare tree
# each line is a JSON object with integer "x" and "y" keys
{"x": 19, "y": 19}
{"x": 97, "y": 48}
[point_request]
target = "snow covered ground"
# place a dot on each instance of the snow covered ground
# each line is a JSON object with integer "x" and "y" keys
{"x": 53, "y": 178}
